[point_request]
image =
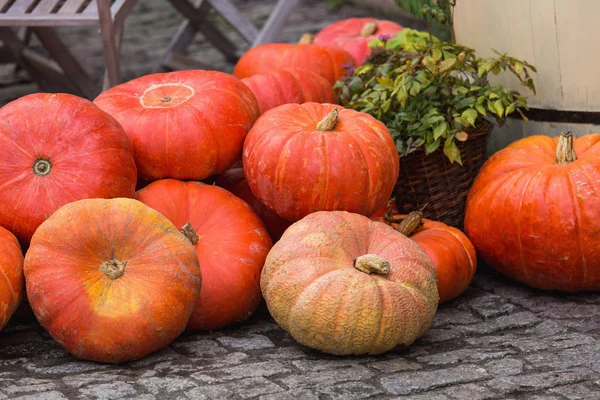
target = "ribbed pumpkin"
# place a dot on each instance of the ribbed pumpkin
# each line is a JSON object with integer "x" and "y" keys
{"x": 55, "y": 149}
{"x": 11, "y": 275}
{"x": 302, "y": 158}
{"x": 354, "y": 35}
{"x": 183, "y": 124}
{"x": 343, "y": 284}
{"x": 328, "y": 62}
{"x": 235, "y": 181}
{"x": 111, "y": 280}
{"x": 450, "y": 251}
{"x": 533, "y": 211}
{"x": 289, "y": 85}
{"x": 231, "y": 243}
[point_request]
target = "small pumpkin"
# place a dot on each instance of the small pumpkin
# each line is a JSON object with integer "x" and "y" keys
{"x": 11, "y": 275}
{"x": 533, "y": 210}
{"x": 450, "y": 251}
{"x": 302, "y": 158}
{"x": 111, "y": 280}
{"x": 354, "y": 35}
{"x": 231, "y": 243}
{"x": 234, "y": 181}
{"x": 343, "y": 284}
{"x": 55, "y": 149}
{"x": 183, "y": 124}
{"x": 328, "y": 62}
{"x": 289, "y": 85}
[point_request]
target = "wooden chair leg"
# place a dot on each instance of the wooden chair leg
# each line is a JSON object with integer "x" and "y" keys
{"x": 274, "y": 24}
{"x": 107, "y": 84}
{"x": 178, "y": 45}
{"x": 110, "y": 38}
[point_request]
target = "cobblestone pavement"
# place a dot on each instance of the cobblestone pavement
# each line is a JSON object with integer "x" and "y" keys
{"x": 497, "y": 341}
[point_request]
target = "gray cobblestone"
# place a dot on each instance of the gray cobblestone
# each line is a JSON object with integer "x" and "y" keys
{"x": 504, "y": 367}
{"x": 108, "y": 391}
{"x": 532, "y": 382}
{"x": 470, "y": 391}
{"x": 462, "y": 355}
{"x": 522, "y": 319}
{"x": 247, "y": 388}
{"x": 156, "y": 385}
{"x": 250, "y": 342}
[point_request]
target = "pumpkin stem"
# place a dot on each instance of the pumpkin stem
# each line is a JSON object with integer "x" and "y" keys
{"x": 564, "y": 149}
{"x": 409, "y": 223}
{"x": 329, "y": 122}
{"x": 307, "y": 38}
{"x": 372, "y": 263}
{"x": 368, "y": 29}
{"x": 42, "y": 167}
{"x": 114, "y": 269}
{"x": 189, "y": 232}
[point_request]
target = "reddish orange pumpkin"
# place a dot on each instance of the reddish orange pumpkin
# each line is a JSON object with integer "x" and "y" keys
{"x": 235, "y": 181}
{"x": 183, "y": 124}
{"x": 533, "y": 210}
{"x": 343, "y": 284}
{"x": 294, "y": 85}
{"x": 354, "y": 35}
{"x": 111, "y": 280}
{"x": 302, "y": 158}
{"x": 450, "y": 251}
{"x": 328, "y": 62}
{"x": 55, "y": 149}
{"x": 231, "y": 243}
{"x": 11, "y": 275}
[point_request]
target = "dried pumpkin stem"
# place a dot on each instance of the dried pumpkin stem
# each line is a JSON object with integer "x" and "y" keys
{"x": 42, "y": 167}
{"x": 189, "y": 232}
{"x": 114, "y": 269}
{"x": 329, "y": 122}
{"x": 409, "y": 223}
{"x": 565, "y": 153}
{"x": 368, "y": 29}
{"x": 307, "y": 38}
{"x": 369, "y": 263}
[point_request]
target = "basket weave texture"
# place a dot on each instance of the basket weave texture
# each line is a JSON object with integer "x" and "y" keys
{"x": 442, "y": 187}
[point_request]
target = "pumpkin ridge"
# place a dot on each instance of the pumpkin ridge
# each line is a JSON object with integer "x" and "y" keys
{"x": 10, "y": 141}
{"x": 359, "y": 148}
{"x": 577, "y": 213}
{"x": 524, "y": 267}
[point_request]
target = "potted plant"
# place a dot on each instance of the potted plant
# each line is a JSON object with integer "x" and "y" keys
{"x": 436, "y": 99}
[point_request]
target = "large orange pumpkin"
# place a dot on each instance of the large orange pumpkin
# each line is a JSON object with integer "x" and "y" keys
{"x": 329, "y": 62}
{"x": 231, "y": 243}
{"x": 533, "y": 212}
{"x": 450, "y": 251}
{"x": 292, "y": 85}
{"x": 354, "y": 35}
{"x": 235, "y": 181}
{"x": 111, "y": 280}
{"x": 302, "y": 158}
{"x": 11, "y": 275}
{"x": 343, "y": 284}
{"x": 183, "y": 124}
{"x": 55, "y": 149}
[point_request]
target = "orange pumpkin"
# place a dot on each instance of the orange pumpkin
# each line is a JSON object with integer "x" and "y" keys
{"x": 302, "y": 158}
{"x": 533, "y": 210}
{"x": 111, "y": 280}
{"x": 11, "y": 275}
{"x": 183, "y": 124}
{"x": 230, "y": 241}
{"x": 450, "y": 251}
{"x": 293, "y": 85}
{"x": 343, "y": 284}
{"x": 329, "y": 62}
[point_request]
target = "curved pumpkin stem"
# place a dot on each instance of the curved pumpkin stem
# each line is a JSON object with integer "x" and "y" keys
{"x": 368, "y": 29}
{"x": 409, "y": 223}
{"x": 307, "y": 38}
{"x": 189, "y": 232}
{"x": 329, "y": 122}
{"x": 369, "y": 263}
{"x": 564, "y": 149}
{"x": 114, "y": 269}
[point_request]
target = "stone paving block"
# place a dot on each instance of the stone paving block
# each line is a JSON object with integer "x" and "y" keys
{"x": 248, "y": 342}
{"x": 582, "y": 356}
{"x": 52, "y": 395}
{"x": 244, "y": 388}
{"x": 450, "y": 316}
{"x": 522, "y": 319}
{"x": 539, "y": 381}
{"x": 73, "y": 367}
{"x": 108, "y": 391}
{"x": 350, "y": 391}
{"x": 470, "y": 391}
{"x": 200, "y": 348}
{"x": 80, "y": 380}
{"x": 28, "y": 385}
{"x": 491, "y": 306}
{"x": 395, "y": 365}
{"x": 504, "y": 367}
{"x": 325, "y": 364}
{"x": 156, "y": 385}
{"x": 467, "y": 355}
{"x": 419, "y": 381}
{"x": 329, "y": 376}
{"x": 295, "y": 394}
{"x": 578, "y": 391}
{"x": 248, "y": 370}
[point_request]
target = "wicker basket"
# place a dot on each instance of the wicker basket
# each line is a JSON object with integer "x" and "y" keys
{"x": 442, "y": 187}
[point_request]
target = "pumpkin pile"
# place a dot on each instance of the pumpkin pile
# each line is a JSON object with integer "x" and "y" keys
{"x": 114, "y": 274}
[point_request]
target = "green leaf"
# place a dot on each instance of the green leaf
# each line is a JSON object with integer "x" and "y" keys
{"x": 447, "y": 64}
{"x": 470, "y": 115}
{"x": 386, "y": 82}
{"x": 481, "y": 109}
{"x": 439, "y": 130}
{"x": 386, "y": 105}
{"x": 363, "y": 69}
{"x": 510, "y": 109}
{"x": 499, "y": 108}
{"x": 415, "y": 88}
{"x": 430, "y": 63}
{"x": 433, "y": 146}
{"x": 451, "y": 150}
{"x": 436, "y": 53}
{"x": 402, "y": 96}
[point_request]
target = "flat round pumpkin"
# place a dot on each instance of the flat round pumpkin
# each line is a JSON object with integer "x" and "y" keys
{"x": 343, "y": 284}
{"x": 11, "y": 275}
{"x": 231, "y": 243}
{"x": 111, "y": 280}
{"x": 183, "y": 124}
{"x": 55, "y": 149}
{"x": 533, "y": 211}
{"x": 302, "y": 158}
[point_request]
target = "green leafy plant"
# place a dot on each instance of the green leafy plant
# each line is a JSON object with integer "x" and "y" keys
{"x": 430, "y": 93}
